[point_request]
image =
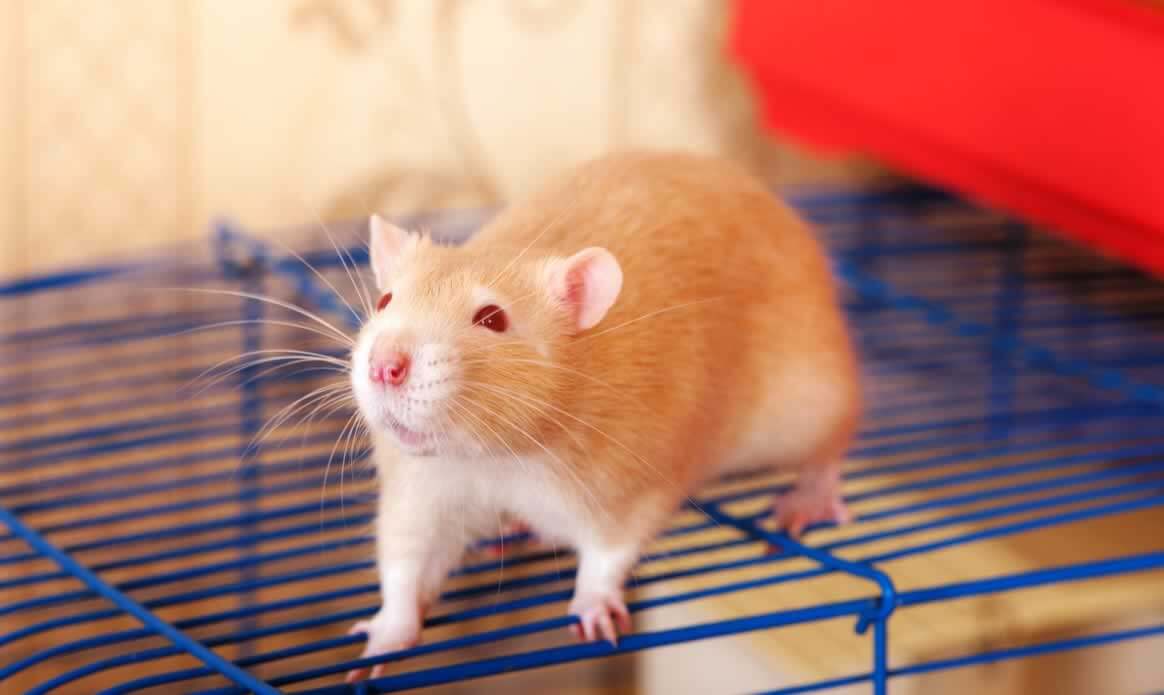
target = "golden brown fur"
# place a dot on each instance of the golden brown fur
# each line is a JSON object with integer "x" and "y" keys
{"x": 727, "y": 301}
{"x": 725, "y": 347}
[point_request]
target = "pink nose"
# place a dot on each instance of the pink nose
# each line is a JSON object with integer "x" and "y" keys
{"x": 390, "y": 368}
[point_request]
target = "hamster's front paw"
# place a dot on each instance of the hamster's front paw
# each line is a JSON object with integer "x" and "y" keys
{"x": 598, "y": 616}
{"x": 387, "y": 632}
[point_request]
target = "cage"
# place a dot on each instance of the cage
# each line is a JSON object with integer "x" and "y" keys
{"x": 1007, "y": 485}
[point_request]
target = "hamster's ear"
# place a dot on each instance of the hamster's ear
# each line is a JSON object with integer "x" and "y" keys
{"x": 587, "y": 284}
{"x": 387, "y": 243}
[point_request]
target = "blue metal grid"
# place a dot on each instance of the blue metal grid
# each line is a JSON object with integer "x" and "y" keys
{"x": 1014, "y": 382}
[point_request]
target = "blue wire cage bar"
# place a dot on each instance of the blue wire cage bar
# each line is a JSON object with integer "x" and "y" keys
{"x": 160, "y": 536}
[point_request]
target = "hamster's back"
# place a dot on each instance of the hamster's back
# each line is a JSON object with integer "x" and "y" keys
{"x": 665, "y": 213}
{"x": 728, "y": 322}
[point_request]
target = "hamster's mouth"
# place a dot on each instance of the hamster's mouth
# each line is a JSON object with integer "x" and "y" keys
{"x": 417, "y": 441}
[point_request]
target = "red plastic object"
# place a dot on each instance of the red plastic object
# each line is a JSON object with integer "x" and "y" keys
{"x": 1052, "y": 109}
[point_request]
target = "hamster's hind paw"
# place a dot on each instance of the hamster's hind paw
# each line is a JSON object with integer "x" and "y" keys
{"x": 804, "y": 506}
{"x": 385, "y": 634}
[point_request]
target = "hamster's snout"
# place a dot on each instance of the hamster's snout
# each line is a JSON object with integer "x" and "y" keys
{"x": 404, "y": 386}
{"x": 389, "y": 366}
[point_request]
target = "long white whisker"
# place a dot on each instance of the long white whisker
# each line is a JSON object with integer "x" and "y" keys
{"x": 325, "y": 391}
{"x": 331, "y": 456}
{"x": 285, "y": 413}
{"x": 267, "y": 371}
{"x": 500, "y": 524}
{"x": 277, "y": 352}
{"x": 647, "y": 316}
{"x": 260, "y": 374}
{"x": 483, "y": 348}
{"x": 290, "y": 358}
{"x": 331, "y": 409}
{"x": 505, "y": 306}
{"x": 285, "y": 361}
{"x": 466, "y": 537}
{"x": 553, "y": 223}
{"x": 495, "y": 361}
{"x": 324, "y": 403}
{"x": 360, "y": 287}
{"x": 274, "y": 302}
{"x": 323, "y": 487}
{"x": 501, "y": 565}
{"x": 562, "y": 465}
{"x": 268, "y": 322}
{"x": 323, "y": 357}
{"x": 465, "y": 409}
{"x": 613, "y": 440}
{"x": 319, "y": 275}
{"x": 324, "y": 409}
{"x": 347, "y": 450}
{"x": 529, "y": 405}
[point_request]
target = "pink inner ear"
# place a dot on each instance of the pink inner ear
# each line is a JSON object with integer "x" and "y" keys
{"x": 575, "y": 291}
{"x": 590, "y": 283}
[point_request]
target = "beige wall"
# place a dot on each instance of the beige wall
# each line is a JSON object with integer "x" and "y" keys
{"x": 126, "y": 124}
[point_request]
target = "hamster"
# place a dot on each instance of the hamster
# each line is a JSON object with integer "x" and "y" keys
{"x": 645, "y": 322}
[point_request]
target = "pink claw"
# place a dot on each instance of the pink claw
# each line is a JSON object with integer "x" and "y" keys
{"x": 377, "y": 645}
{"x": 601, "y": 618}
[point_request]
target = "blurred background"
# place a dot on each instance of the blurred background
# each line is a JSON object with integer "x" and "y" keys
{"x": 127, "y": 124}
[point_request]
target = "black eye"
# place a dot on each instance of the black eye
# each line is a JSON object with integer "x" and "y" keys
{"x": 384, "y": 301}
{"x": 492, "y": 317}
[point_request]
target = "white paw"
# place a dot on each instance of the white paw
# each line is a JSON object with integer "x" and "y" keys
{"x": 387, "y": 632}
{"x": 600, "y": 616}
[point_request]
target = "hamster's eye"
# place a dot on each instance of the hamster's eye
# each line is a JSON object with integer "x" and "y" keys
{"x": 384, "y": 301}
{"x": 492, "y": 317}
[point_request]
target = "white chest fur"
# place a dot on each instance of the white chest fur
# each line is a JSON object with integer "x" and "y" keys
{"x": 476, "y": 494}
